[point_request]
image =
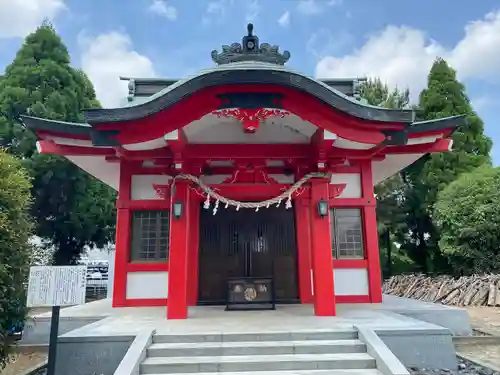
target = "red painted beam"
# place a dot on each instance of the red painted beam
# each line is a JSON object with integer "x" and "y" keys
{"x": 248, "y": 151}
{"x": 248, "y": 192}
{"x": 244, "y": 153}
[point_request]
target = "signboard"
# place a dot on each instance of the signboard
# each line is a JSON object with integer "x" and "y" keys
{"x": 56, "y": 286}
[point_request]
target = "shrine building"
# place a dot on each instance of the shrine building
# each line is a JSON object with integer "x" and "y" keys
{"x": 247, "y": 182}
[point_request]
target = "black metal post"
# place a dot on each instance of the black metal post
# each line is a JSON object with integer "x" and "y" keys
{"x": 54, "y": 330}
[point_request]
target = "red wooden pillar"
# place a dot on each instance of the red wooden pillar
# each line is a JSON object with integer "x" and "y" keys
{"x": 177, "y": 306}
{"x": 194, "y": 237}
{"x": 122, "y": 245}
{"x": 122, "y": 242}
{"x": 303, "y": 234}
{"x": 371, "y": 235}
{"x": 321, "y": 250}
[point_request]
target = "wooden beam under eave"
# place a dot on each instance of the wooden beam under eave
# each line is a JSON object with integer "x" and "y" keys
{"x": 440, "y": 145}
{"x": 50, "y": 147}
{"x": 248, "y": 151}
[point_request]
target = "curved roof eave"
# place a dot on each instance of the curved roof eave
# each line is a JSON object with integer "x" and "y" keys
{"x": 249, "y": 73}
{"x": 69, "y": 128}
{"x": 451, "y": 122}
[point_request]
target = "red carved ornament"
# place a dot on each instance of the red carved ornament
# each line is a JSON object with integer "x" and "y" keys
{"x": 338, "y": 189}
{"x": 250, "y": 118}
{"x": 162, "y": 191}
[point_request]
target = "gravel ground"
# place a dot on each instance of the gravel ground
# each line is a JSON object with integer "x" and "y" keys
{"x": 20, "y": 363}
{"x": 464, "y": 368}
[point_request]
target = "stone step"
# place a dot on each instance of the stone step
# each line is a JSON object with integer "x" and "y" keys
{"x": 292, "y": 372}
{"x": 338, "y": 361}
{"x": 333, "y": 334}
{"x": 255, "y": 348}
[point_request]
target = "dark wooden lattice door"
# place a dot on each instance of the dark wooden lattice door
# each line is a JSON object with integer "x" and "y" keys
{"x": 246, "y": 243}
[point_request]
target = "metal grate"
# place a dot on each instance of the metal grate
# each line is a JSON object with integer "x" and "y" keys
{"x": 347, "y": 233}
{"x": 245, "y": 243}
{"x": 150, "y": 235}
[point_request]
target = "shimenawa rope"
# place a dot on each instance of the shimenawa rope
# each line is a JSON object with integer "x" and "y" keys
{"x": 238, "y": 204}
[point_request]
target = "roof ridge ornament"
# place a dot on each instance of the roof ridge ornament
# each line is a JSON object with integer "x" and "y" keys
{"x": 250, "y": 50}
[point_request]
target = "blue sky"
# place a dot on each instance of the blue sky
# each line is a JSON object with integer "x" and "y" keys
{"x": 395, "y": 40}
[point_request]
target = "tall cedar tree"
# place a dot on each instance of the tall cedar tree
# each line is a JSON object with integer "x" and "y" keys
{"x": 389, "y": 193}
{"x": 444, "y": 96}
{"x": 15, "y": 231}
{"x": 71, "y": 208}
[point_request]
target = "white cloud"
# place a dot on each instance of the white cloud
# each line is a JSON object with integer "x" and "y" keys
{"x": 107, "y": 57}
{"x": 216, "y": 7}
{"x": 284, "y": 20}
{"x": 323, "y": 42}
{"x": 402, "y": 56}
{"x": 20, "y": 17}
{"x": 164, "y": 9}
{"x": 252, "y": 10}
{"x": 216, "y": 11}
{"x": 478, "y": 53}
{"x": 309, "y": 7}
{"x": 313, "y": 7}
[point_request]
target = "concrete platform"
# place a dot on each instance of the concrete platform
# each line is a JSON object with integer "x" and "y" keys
{"x": 394, "y": 312}
{"x": 418, "y": 333}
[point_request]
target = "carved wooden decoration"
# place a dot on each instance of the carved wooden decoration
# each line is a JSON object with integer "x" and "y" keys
{"x": 337, "y": 189}
{"x": 162, "y": 191}
{"x": 251, "y": 175}
{"x": 250, "y": 118}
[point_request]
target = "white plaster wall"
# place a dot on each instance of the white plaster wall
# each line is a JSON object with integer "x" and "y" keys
{"x": 147, "y": 284}
{"x": 97, "y": 166}
{"x": 214, "y": 178}
{"x": 392, "y": 164}
{"x": 352, "y": 181}
{"x": 142, "y": 186}
{"x": 351, "y": 281}
{"x": 211, "y": 129}
{"x": 347, "y": 144}
{"x": 230, "y": 131}
{"x": 283, "y": 178}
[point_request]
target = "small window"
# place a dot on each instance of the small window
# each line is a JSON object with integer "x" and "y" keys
{"x": 150, "y": 235}
{"x": 347, "y": 233}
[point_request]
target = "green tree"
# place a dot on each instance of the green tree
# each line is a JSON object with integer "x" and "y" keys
{"x": 377, "y": 93}
{"x": 40, "y": 81}
{"x": 444, "y": 96}
{"x": 15, "y": 232}
{"x": 467, "y": 213}
{"x": 389, "y": 193}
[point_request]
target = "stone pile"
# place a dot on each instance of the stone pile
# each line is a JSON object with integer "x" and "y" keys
{"x": 464, "y": 368}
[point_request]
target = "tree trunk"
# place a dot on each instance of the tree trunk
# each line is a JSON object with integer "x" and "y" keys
{"x": 422, "y": 253}
{"x": 388, "y": 246}
{"x": 67, "y": 254}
